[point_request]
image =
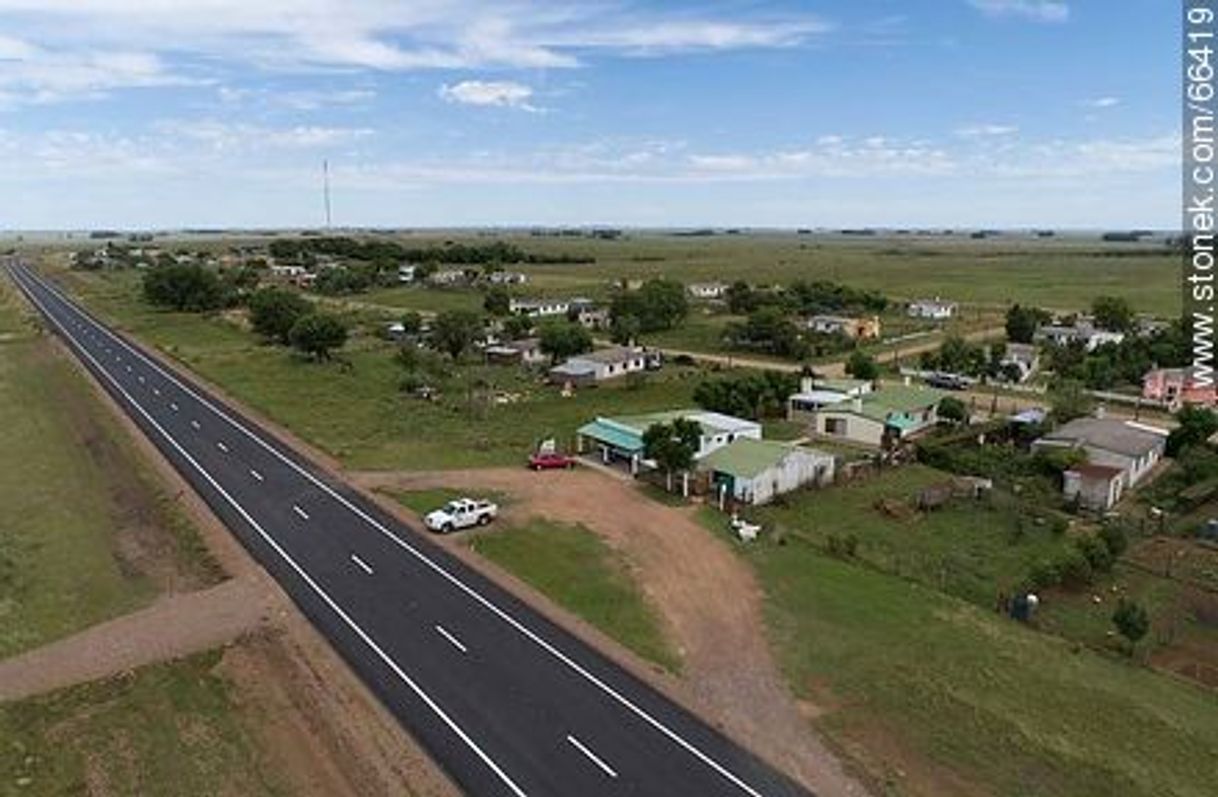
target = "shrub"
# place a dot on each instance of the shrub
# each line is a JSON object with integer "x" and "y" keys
{"x": 1096, "y": 553}
{"x": 1075, "y": 569}
{"x": 190, "y": 288}
{"x": 273, "y": 312}
{"x": 317, "y": 334}
{"x": 1115, "y": 538}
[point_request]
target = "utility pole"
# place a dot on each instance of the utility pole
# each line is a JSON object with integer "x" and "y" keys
{"x": 325, "y": 177}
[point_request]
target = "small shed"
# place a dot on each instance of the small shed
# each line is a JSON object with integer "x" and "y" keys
{"x": 1095, "y": 487}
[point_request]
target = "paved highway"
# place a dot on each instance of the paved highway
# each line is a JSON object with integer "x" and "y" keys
{"x": 507, "y": 702}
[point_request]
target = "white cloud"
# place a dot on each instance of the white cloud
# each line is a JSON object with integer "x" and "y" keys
{"x": 986, "y": 131}
{"x": 493, "y": 93}
{"x": 1034, "y": 10}
{"x": 1103, "y": 102}
{"x": 224, "y": 137}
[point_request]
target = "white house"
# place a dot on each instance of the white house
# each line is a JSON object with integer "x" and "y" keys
{"x": 526, "y": 351}
{"x": 1134, "y": 448}
{"x": 934, "y": 309}
{"x": 815, "y": 394}
{"x": 1022, "y": 359}
{"x": 1081, "y": 331}
{"x": 600, "y": 365}
{"x": 507, "y": 278}
{"x": 879, "y": 418}
{"x": 707, "y": 290}
{"x": 862, "y": 328}
{"x": 540, "y": 308}
{"x": 751, "y": 471}
{"x": 622, "y": 437}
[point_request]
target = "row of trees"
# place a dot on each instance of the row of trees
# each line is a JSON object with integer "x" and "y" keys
{"x": 801, "y": 296}
{"x": 1124, "y": 363}
{"x": 751, "y": 395}
{"x": 305, "y": 250}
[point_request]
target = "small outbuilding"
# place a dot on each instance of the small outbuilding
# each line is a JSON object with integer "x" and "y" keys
{"x": 750, "y": 471}
{"x": 1095, "y": 487}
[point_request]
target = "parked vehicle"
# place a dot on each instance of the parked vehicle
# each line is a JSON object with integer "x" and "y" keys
{"x": 461, "y": 514}
{"x": 945, "y": 381}
{"x": 551, "y": 461}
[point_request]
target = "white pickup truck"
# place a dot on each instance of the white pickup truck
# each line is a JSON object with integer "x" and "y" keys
{"x": 461, "y": 514}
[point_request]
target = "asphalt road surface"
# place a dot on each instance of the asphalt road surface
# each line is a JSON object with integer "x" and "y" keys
{"x": 507, "y": 702}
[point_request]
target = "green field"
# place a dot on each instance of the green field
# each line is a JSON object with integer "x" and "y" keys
{"x": 355, "y": 411}
{"x": 935, "y": 696}
{"x": 84, "y": 519}
{"x": 971, "y": 549}
{"x": 579, "y": 572}
{"x": 166, "y": 730}
{"x": 1062, "y": 273}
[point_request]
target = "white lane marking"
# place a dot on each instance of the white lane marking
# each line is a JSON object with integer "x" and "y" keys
{"x": 361, "y": 564}
{"x": 173, "y": 406}
{"x": 456, "y": 643}
{"x": 303, "y": 514}
{"x": 309, "y": 580}
{"x": 476, "y": 596}
{"x": 141, "y": 378}
{"x": 593, "y": 757}
{"x": 222, "y": 447}
{"x": 257, "y": 476}
{"x": 194, "y": 424}
{"x": 128, "y": 369}
{"x": 156, "y": 392}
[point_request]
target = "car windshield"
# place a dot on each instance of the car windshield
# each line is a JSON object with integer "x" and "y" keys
{"x": 452, "y": 507}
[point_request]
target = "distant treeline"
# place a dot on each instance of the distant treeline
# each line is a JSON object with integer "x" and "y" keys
{"x": 305, "y": 249}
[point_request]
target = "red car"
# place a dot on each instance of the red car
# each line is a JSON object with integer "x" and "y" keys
{"x": 553, "y": 461}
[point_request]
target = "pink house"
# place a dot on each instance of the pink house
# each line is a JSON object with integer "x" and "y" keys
{"x": 1175, "y": 386}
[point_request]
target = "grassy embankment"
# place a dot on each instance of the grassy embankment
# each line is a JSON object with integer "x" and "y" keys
{"x": 85, "y": 521}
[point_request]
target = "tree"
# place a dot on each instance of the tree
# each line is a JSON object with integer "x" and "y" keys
{"x": 517, "y": 326}
{"x": 1196, "y": 425}
{"x": 1112, "y": 312}
{"x": 1068, "y": 400}
{"x": 273, "y": 312}
{"x": 659, "y": 304}
{"x": 1132, "y": 621}
{"x": 498, "y": 302}
{"x": 862, "y": 366}
{"x": 624, "y": 329}
{"x": 455, "y": 331}
{"x": 749, "y": 395}
{"x": 563, "y": 339}
{"x": 318, "y": 333}
{"x": 953, "y": 409}
{"x": 1023, "y": 321}
{"x": 412, "y": 323}
{"x": 672, "y": 446}
{"x": 188, "y": 287}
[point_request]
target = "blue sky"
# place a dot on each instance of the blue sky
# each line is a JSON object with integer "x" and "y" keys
{"x": 170, "y": 113}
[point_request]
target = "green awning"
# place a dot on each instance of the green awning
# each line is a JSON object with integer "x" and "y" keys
{"x": 613, "y": 436}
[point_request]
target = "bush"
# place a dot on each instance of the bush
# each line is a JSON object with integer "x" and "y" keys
{"x": 1045, "y": 573}
{"x": 1096, "y": 553}
{"x": 273, "y": 312}
{"x": 1075, "y": 569}
{"x": 1115, "y": 539}
{"x": 189, "y": 288}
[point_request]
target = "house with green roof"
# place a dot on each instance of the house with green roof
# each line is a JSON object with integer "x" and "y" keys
{"x": 880, "y": 418}
{"x": 621, "y": 438}
{"x": 750, "y": 471}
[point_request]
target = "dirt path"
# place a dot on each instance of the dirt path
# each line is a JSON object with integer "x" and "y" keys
{"x": 175, "y": 625}
{"x": 706, "y": 595}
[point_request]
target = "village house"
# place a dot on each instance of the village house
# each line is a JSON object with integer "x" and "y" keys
{"x": 525, "y": 351}
{"x": 1175, "y": 386}
{"x": 753, "y": 471}
{"x": 1021, "y": 360}
{"x": 815, "y": 394}
{"x": 600, "y": 365}
{"x": 591, "y": 316}
{"x": 621, "y": 438}
{"x": 880, "y": 418}
{"x": 507, "y": 278}
{"x": 448, "y": 277}
{"x": 407, "y": 272}
{"x": 1134, "y": 448}
{"x": 539, "y": 308}
{"x": 934, "y": 309}
{"x": 1081, "y": 331}
{"x": 863, "y": 328}
{"x": 707, "y": 290}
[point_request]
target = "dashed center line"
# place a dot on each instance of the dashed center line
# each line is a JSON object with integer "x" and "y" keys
{"x": 257, "y": 476}
{"x": 141, "y": 378}
{"x": 303, "y": 514}
{"x": 194, "y": 424}
{"x": 173, "y": 406}
{"x": 156, "y": 392}
{"x": 361, "y": 564}
{"x": 456, "y": 643}
{"x": 593, "y": 757}
{"x": 222, "y": 447}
